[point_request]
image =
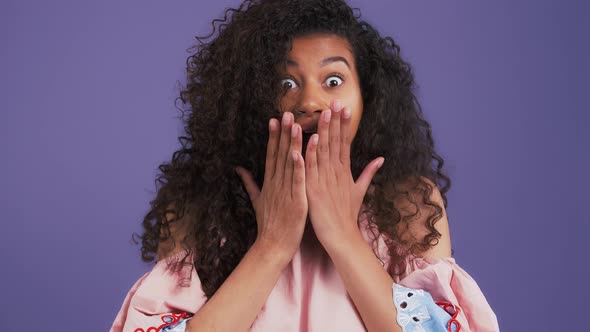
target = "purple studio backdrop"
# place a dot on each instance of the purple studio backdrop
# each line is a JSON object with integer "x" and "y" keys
{"x": 87, "y": 115}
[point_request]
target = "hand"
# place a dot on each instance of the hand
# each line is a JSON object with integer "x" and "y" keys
{"x": 334, "y": 198}
{"x": 281, "y": 205}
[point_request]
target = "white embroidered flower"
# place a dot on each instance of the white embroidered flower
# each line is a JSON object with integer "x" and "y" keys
{"x": 411, "y": 308}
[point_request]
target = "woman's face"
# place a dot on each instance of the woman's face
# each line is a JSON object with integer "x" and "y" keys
{"x": 320, "y": 68}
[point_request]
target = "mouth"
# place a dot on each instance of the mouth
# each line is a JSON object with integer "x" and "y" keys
{"x": 307, "y": 130}
{"x": 305, "y": 140}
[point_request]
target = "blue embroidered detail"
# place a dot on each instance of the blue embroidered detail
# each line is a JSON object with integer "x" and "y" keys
{"x": 178, "y": 327}
{"x": 417, "y": 311}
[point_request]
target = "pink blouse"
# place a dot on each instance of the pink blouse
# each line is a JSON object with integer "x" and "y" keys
{"x": 309, "y": 294}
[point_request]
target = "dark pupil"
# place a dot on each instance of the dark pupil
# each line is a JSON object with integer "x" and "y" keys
{"x": 288, "y": 85}
{"x": 333, "y": 82}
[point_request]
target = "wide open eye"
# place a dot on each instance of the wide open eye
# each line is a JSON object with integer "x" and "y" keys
{"x": 334, "y": 81}
{"x": 288, "y": 83}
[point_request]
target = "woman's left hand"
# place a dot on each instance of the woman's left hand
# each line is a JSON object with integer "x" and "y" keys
{"x": 334, "y": 199}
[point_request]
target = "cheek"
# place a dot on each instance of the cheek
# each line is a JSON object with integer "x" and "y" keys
{"x": 357, "y": 113}
{"x": 283, "y": 103}
{"x": 356, "y": 119}
{"x": 354, "y": 124}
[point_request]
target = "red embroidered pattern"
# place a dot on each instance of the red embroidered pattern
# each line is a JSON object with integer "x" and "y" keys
{"x": 168, "y": 319}
{"x": 446, "y": 306}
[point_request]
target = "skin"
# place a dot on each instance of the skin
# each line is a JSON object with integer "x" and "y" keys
{"x": 320, "y": 184}
{"x": 320, "y": 68}
{"x": 323, "y": 92}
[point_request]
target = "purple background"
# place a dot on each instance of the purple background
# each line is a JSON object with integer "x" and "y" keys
{"x": 87, "y": 114}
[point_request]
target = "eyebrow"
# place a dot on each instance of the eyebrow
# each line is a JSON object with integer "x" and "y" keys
{"x": 324, "y": 62}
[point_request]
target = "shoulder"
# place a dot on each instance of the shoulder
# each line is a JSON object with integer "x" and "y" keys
{"x": 415, "y": 215}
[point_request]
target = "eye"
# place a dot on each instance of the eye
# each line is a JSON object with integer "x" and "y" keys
{"x": 334, "y": 81}
{"x": 288, "y": 83}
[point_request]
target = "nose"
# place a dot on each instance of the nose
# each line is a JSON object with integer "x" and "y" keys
{"x": 311, "y": 102}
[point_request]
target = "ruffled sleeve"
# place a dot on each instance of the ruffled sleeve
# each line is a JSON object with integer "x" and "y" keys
{"x": 447, "y": 281}
{"x": 157, "y": 300}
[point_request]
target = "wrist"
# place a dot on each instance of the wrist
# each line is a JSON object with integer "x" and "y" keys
{"x": 271, "y": 253}
{"x": 341, "y": 240}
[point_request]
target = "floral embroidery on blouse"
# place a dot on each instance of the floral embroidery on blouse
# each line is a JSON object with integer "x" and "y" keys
{"x": 175, "y": 322}
{"x": 417, "y": 311}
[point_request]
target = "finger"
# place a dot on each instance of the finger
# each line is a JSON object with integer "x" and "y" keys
{"x": 271, "y": 149}
{"x": 334, "y": 139}
{"x": 249, "y": 182}
{"x": 345, "y": 136}
{"x": 323, "y": 148}
{"x": 311, "y": 159}
{"x": 364, "y": 180}
{"x": 284, "y": 143}
{"x": 296, "y": 137}
{"x": 298, "y": 185}
{"x": 296, "y": 142}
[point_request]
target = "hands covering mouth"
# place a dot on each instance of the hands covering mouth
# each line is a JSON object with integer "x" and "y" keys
{"x": 320, "y": 187}
{"x": 307, "y": 130}
{"x": 306, "y": 135}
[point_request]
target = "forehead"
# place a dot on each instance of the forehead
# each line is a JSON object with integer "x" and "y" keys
{"x": 312, "y": 49}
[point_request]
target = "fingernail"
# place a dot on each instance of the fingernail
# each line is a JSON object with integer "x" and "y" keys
{"x": 272, "y": 124}
{"x": 347, "y": 113}
{"x": 286, "y": 118}
{"x": 327, "y": 116}
{"x": 294, "y": 131}
{"x": 315, "y": 138}
{"x": 380, "y": 162}
{"x": 337, "y": 105}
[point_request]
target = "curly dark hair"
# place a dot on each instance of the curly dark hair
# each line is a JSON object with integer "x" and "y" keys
{"x": 232, "y": 88}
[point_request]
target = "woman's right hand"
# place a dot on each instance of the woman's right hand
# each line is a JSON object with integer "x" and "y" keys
{"x": 281, "y": 205}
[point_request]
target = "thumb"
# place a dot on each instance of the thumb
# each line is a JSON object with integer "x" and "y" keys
{"x": 249, "y": 183}
{"x": 364, "y": 180}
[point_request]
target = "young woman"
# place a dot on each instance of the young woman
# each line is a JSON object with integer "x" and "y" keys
{"x": 307, "y": 195}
